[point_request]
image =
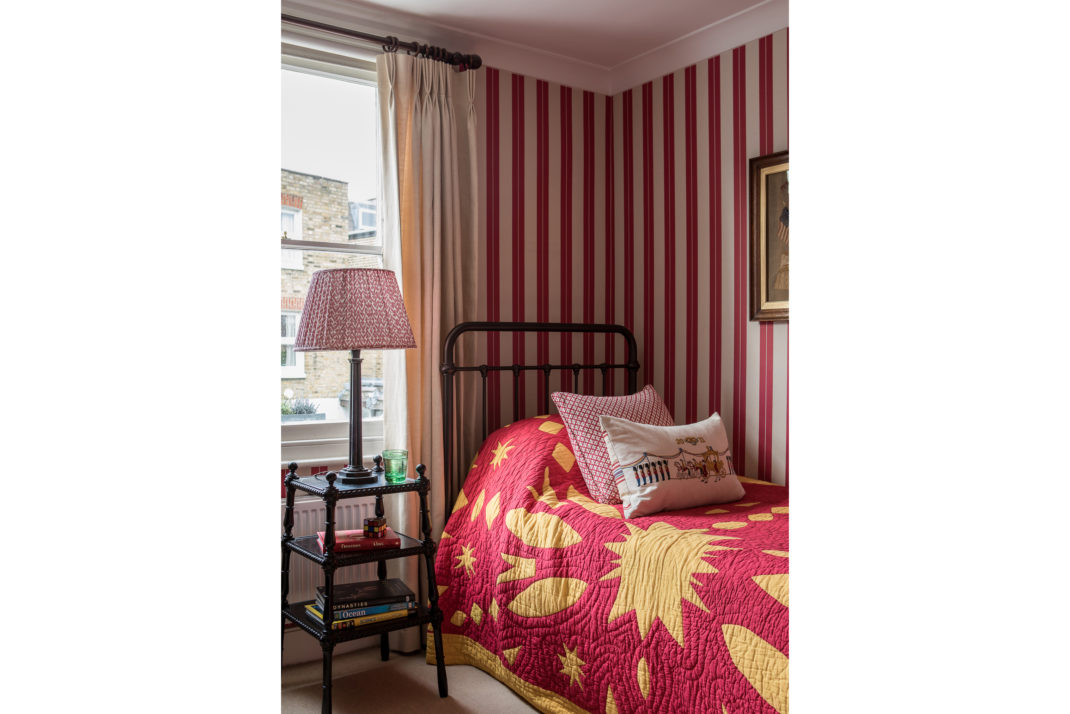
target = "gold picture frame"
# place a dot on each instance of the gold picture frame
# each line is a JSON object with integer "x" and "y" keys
{"x": 769, "y": 237}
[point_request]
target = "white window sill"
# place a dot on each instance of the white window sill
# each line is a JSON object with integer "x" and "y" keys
{"x": 325, "y": 442}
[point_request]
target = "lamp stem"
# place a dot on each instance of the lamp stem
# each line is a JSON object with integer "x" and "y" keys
{"x": 355, "y": 471}
{"x": 356, "y": 412}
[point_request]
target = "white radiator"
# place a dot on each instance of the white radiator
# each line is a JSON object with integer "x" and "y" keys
{"x": 310, "y": 517}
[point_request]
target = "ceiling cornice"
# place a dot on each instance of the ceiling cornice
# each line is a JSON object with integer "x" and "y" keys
{"x": 709, "y": 41}
{"x": 696, "y": 46}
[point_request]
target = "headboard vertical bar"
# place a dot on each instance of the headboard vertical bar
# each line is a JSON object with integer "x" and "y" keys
{"x": 516, "y": 391}
{"x": 633, "y": 361}
{"x": 546, "y": 389}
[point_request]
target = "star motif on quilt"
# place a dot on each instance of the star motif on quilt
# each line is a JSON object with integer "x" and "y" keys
{"x": 466, "y": 560}
{"x": 571, "y": 666}
{"x": 501, "y": 453}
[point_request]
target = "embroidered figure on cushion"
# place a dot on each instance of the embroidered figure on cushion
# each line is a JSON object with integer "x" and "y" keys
{"x": 708, "y": 464}
{"x": 652, "y": 468}
{"x": 692, "y": 468}
{"x": 650, "y": 472}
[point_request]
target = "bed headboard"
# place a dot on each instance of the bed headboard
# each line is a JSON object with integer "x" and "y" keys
{"x": 451, "y": 371}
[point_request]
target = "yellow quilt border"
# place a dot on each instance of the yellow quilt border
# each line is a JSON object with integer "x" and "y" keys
{"x": 745, "y": 479}
{"x": 459, "y": 649}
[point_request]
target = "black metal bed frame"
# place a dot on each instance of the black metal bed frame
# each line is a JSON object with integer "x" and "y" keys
{"x": 450, "y": 370}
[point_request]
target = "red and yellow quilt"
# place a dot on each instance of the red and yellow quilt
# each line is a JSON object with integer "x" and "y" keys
{"x": 577, "y": 609}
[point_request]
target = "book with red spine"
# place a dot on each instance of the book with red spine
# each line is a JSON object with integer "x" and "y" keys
{"x": 355, "y": 540}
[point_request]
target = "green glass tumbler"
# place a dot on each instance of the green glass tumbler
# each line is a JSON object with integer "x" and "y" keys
{"x": 395, "y": 461}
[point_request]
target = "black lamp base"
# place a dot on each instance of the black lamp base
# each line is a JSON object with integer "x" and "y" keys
{"x": 356, "y": 474}
{"x": 352, "y": 475}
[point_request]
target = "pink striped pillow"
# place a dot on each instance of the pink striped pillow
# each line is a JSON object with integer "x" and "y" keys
{"x": 580, "y": 413}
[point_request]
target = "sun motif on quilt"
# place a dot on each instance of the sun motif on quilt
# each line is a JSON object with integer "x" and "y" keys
{"x": 656, "y": 568}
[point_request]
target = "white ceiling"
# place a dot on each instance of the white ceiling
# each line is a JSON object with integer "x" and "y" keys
{"x": 605, "y": 33}
{"x": 603, "y": 45}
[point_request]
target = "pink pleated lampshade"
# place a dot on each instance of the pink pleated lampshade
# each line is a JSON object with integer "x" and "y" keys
{"x": 354, "y": 309}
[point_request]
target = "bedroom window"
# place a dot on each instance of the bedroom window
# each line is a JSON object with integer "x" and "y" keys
{"x": 329, "y": 189}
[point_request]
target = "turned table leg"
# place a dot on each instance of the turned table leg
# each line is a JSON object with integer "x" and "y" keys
{"x": 432, "y": 588}
{"x": 384, "y": 639}
{"x": 288, "y": 528}
{"x": 328, "y": 655}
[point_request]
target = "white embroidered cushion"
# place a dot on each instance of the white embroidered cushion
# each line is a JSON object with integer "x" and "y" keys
{"x": 580, "y": 413}
{"x": 663, "y": 468}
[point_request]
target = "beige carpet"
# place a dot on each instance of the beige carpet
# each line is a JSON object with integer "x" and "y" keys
{"x": 406, "y": 684}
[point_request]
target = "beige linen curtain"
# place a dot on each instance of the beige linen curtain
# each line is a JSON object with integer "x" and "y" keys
{"x": 429, "y": 218}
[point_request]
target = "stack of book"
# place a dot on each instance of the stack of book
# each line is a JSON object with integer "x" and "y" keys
{"x": 351, "y": 541}
{"x": 363, "y": 603}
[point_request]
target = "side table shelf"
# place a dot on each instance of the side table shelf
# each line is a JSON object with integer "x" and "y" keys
{"x": 308, "y": 547}
{"x": 297, "y": 614}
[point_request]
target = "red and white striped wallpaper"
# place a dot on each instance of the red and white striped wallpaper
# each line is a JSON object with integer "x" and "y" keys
{"x": 634, "y": 209}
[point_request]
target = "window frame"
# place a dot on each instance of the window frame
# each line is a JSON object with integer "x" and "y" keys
{"x": 292, "y": 259}
{"x": 327, "y": 442}
{"x": 297, "y": 370}
{"x": 361, "y": 213}
{"x": 296, "y": 213}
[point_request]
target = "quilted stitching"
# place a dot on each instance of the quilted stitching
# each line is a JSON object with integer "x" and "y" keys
{"x": 580, "y": 413}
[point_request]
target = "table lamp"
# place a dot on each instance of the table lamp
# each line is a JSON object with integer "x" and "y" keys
{"x": 354, "y": 309}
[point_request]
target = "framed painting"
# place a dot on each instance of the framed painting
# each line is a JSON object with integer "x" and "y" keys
{"x": 769, "y": 237}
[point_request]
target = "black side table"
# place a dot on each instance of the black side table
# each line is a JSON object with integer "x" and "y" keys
{"x": 308, "y": 547}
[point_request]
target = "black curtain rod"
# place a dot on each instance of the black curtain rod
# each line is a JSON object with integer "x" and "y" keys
{"x": 392, "y": 44}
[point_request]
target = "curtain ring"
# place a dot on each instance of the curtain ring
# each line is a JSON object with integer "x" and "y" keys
{"x": 391, "y": 44}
